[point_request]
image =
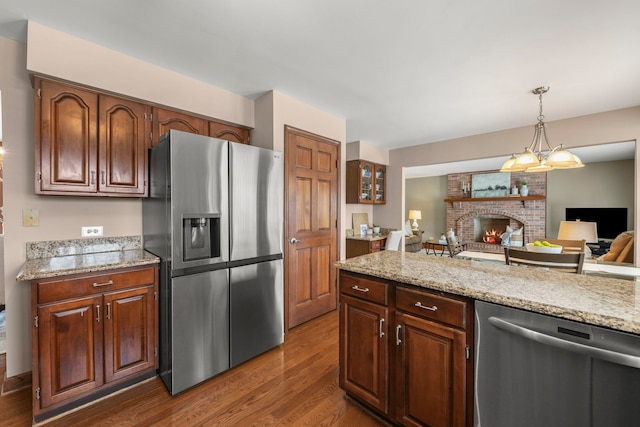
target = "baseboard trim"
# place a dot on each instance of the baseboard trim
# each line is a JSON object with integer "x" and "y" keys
{"x": 18, "y": 382}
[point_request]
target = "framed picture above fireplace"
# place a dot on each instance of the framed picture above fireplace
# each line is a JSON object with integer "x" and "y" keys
{"x": 490, "y": 184}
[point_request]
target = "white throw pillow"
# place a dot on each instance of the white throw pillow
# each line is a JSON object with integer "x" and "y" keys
{"x": 407, "y": 228}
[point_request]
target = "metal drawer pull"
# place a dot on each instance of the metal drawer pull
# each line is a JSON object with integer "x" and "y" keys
{"x": 356, "y": 288}
{"x": 93, "y": 177}
{"x": 108, "y": 311}
{"x": 98, "y": 313}
{"x": 398, "y": 340}
{"x": 102, "y": 176}
{"x": 380, "y": 327}
{"x": 97, "y": 285}
{"x": 432, "y": 308}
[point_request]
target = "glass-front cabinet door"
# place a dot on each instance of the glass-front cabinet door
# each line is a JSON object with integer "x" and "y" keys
{"x": 366, "y": 182}
{"x": 380, "y": 183}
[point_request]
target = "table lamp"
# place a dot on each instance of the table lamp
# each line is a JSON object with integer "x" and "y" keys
{"x": 415, "y": 216}
{"x": 579, "y": 230}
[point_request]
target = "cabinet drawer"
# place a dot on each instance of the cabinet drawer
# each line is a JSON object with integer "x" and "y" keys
{"x": 432, "y": 306}
{"x": 67, "y": 287}
{"x": 367, "y": 289}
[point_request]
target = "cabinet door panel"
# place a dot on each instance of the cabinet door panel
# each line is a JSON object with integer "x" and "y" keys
{"x": 229, "y": 132}
{"x": 129, "y": 332}
{"x": 363, "y": 351}
{"x": 123, "y": 138}
{"x": 164, "y": 120}
{"x": 432, "y": 372}
{"x": 70, "y": 345}
{"x": 66, "y": 138}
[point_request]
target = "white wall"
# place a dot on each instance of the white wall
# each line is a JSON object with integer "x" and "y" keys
{"x": 427, "y": 195}
{"x": 61, "y": 217}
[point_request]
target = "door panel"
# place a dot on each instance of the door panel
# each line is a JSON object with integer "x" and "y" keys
{"x": 128, "y": 331}
{"x": 164, "y": 120}
{"x": 67, "y": 139}
{"x": 311, "y": 190}
{"x": 70, "y": 339}
{"x": 123, "y": 146}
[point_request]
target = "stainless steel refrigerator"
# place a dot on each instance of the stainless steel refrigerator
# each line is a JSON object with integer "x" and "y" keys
{"x": 214, "y": 216}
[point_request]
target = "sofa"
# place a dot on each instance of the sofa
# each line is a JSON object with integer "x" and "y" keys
{"x": 413, "y": 243}
{"x": 621, "y": 249}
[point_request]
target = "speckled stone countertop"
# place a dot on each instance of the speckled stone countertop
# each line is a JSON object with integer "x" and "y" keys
{"x": 62, "y": 257}
{"x": 611, "y": 303}
{"x": 369, "y": 237}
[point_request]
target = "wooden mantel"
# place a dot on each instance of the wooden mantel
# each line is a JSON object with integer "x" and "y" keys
{"x": 493, "y": 199}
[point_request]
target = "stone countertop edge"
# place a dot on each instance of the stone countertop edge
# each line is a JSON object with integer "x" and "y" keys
{"x": 369, "y": 237}
{"x": 600, "y": 301}
{"x": 55, "y": 258}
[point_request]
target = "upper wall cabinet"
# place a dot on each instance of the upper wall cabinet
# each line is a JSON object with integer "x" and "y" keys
{"x": 366, "y": 182}
{"x": 88, "y": 143}
{"x": 91, "y": 143}
{"x": 229, "y": 132}
{"x": 165, "y": 119}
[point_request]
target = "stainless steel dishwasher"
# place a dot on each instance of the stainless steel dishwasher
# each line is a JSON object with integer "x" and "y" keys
{"x": 537, "y": 370}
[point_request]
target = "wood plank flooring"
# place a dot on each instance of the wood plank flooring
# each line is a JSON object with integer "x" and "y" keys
{"x": 293, "y": 385}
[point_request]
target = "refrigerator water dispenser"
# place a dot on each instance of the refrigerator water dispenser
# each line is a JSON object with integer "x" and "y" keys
{"x": 200, "y": 237}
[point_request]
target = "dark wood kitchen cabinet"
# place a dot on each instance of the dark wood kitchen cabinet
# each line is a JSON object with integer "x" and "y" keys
{"x": 229, "y": 132}
{"x": 88, "y": 143}
{"x": 405, "y": 352}
{"x": 165, "y": 119}
{"x": 364, "y": 341}
{"x": 92, "y": 334}
{"x": 366, "y": 182}
{"x": 433, "y": 382}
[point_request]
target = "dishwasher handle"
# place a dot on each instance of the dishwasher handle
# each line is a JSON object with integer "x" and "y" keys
{"x": 587, "y": 350}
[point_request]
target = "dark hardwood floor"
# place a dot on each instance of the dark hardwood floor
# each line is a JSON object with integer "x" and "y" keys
{"x": 295, "y": 384}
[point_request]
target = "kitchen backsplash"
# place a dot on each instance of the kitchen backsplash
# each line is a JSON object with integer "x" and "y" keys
{"x": 55, "y": 248}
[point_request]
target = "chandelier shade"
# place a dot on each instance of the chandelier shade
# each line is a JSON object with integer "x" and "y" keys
{"x": 539, "y": 158}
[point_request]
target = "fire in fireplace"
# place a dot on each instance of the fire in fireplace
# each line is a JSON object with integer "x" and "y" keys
{"x": 492, "y": 236}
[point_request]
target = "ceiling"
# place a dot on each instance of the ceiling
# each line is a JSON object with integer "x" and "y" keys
{"x": 400, "y": 72}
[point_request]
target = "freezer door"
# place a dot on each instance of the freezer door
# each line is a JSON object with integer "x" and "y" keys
{"x": 200, "y": 328}
{"x": 199, "y": 176}
{"x": 257, "y": 317}
{"x": 256, "y": 197}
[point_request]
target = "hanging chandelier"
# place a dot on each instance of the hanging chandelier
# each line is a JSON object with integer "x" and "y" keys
{"x": 537, "y": 158}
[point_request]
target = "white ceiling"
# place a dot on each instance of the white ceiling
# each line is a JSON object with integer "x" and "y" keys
{"x": 400, "y": 72}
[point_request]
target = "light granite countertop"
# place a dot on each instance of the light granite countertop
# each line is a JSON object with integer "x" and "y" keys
{"x": 612, "y": 303}
{"x": 369, "y": 237}
{"x": 64, "y": 257}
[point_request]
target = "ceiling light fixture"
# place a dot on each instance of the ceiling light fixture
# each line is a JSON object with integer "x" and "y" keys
{"x": 534, "y": 159}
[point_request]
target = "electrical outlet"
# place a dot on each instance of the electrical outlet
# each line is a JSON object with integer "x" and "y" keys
{"x": 93, "y": 231}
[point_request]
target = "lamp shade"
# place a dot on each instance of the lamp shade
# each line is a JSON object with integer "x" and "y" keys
{"x": 578, "y": 230}
{"x": 415, "y": 214}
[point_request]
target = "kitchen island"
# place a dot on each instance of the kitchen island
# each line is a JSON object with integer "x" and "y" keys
{"x": 408, "y": 338}
{"x": 599, "y": 301}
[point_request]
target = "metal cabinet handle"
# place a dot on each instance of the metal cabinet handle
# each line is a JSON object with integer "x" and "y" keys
{"x": 293, "y": 241}
{"x": 102, "y": 177}
{"x": 398, "y": 340}
{"x": 98, "y": 313}
{"x": 359, "y": 289}
{"x": 426, "y": 307}
{"x": 108, "y": 311}
{"x": 380, "y": 327}
{"x": 93, "y": 177}
{"x": 97, "y": 285}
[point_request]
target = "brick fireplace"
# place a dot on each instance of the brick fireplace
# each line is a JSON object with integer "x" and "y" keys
{"x": 471, "y": 218}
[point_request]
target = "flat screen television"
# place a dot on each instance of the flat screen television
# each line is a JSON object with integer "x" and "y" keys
{"x": 611, "y": 221}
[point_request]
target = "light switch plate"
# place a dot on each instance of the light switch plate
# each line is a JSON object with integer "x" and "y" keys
{"x": 30, "y": 217}
{"x": 92, "y": 231}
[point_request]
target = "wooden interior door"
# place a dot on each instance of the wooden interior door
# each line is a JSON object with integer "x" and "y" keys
{"x": 311, "y": 224}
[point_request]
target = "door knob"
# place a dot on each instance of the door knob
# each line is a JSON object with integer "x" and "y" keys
{"x": 293, "y": 241}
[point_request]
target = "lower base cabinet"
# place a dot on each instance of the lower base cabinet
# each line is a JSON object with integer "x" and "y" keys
{"x": 406, "y": 352}
{"x": 92, "y": 334}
